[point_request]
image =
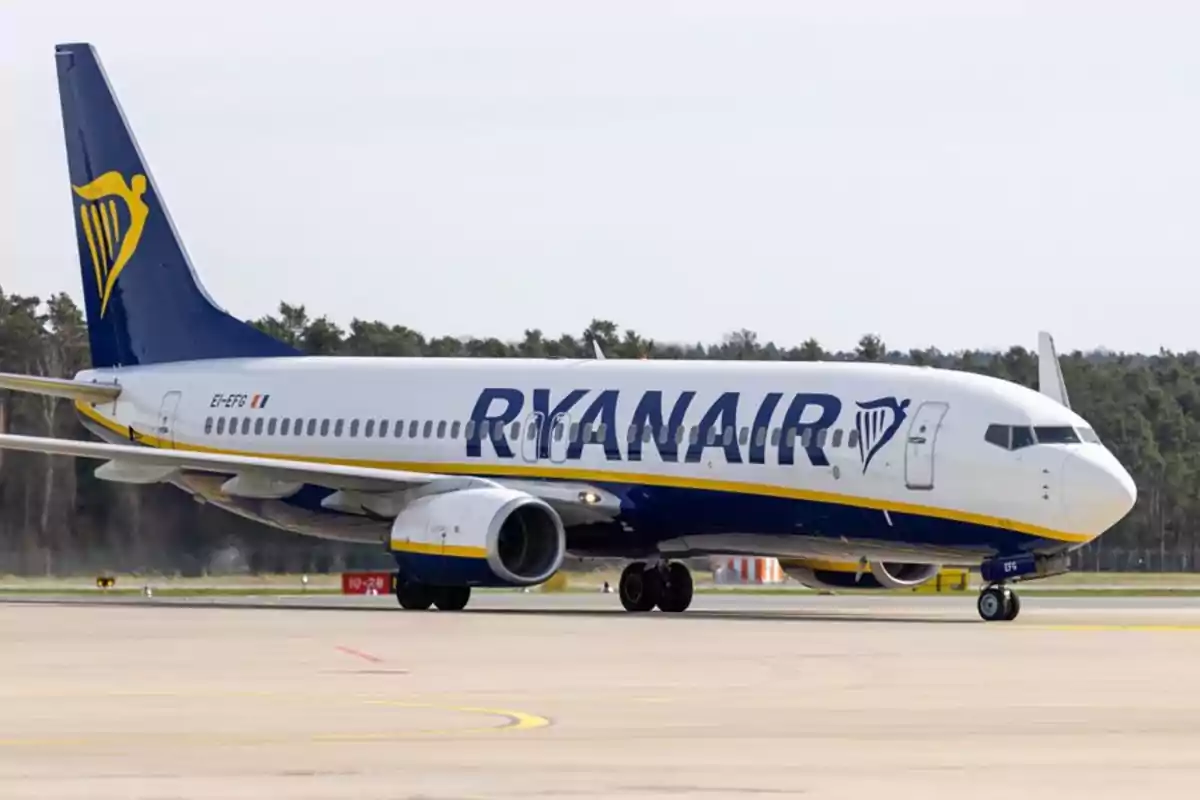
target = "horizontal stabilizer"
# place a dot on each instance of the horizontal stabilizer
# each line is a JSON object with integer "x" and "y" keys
{"x": 60, "y": 387}
{"x": 1050, "y": 378}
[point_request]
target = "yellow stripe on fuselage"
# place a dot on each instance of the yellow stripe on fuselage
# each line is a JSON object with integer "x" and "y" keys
{"x": 635, "y": 478}
{"x": 427, "y": 549}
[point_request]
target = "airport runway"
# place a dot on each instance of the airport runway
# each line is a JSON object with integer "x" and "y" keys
{"x": 532, "y": 695}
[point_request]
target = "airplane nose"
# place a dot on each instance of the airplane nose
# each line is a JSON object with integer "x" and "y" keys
{"x": 1098, "y": 491}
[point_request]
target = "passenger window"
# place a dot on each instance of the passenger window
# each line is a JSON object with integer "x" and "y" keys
{"x": 574, "y": 436}
{"x": 258, "y": 426}
{"x": 353, "y": 428}
{"x": 299, "y": 429}
{"x": 558, "y": 431}
{"x": 383, "y": 428}
{"x": 648, "y": 435}
{"x": 245, "y": 426}
{"x": 208, "y": 425}
{"x": 821, "y": 434}
{"x": 710, "y": 438}
{"x": 368, "y": 430}
{"x": 1021, "y": 437}
{"x": 441, "y": 429}
{"x": 531, "y": 432}
{"x": 454, "y": 429}
{"x": 775, "y": 437}
{"x": 632, "y": 434}
{"x": 790, "y": 438}
{"x": 997, "y": 435}
{"x": 271, "y": 426}
{"x": 745, "y": 437}
{"x": 499, "y": 429}
{"x": 338, "y": 427}
{"x": 852, "y": 439}
{"x": 428, "y": 428}
{"x": 729, "y": 436}
{"x": 312, "y": 427}
{"x": 220, "y": 425}
{"x": 601, "y": 432}
{"x": 233, "y": 426}
{"x": 469, "y": 429}
{"x": 694, "y": 434}
{"x": 515, "y": 432}
{"x": 760, "y": 437}
{"x": 324, "y": 427}
{"x": 837, "y": 438}
{"x": 413, "y": 428}
{"x": 806, "y": 438}
{"x": 284, "y": 426}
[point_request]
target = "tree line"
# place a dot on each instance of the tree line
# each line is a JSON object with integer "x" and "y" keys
{"x": 57, "y": 518}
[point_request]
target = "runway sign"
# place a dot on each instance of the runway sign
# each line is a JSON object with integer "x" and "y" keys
{"x": 366, "y": 583}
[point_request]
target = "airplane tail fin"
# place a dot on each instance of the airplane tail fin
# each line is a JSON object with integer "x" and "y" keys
{"x": 144, "y": 303}
{"x": 1050, "y": 377}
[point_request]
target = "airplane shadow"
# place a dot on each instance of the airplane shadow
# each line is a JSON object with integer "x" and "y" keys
{"x": 657, "y": 617}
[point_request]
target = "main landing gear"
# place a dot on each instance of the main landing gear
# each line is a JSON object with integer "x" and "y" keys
{"x": 667, "y": 585}
{"x": 416, "y": 596}
{"x": 999, "y": 603}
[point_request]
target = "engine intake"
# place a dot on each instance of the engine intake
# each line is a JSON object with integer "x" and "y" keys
{"x": 488, "y": 536}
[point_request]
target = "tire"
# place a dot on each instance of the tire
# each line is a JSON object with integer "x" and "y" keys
{"x": 452, "y": 598}
{"x": 640, "y": 588}
{"x": 677, "y": 594}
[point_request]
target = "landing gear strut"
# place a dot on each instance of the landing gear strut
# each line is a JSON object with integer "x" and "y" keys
{"x": 667, "y": 585}
{"x": 999, "y": 603}
{"x": 416, "y": 596}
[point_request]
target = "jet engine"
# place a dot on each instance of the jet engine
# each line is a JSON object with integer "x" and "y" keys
{"x": 488, "y": 536}
{"x": 819, "y": 574}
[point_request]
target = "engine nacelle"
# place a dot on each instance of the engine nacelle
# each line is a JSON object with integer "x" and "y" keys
{"x": 479, "y": 537}
{"x": 818, "y": 574}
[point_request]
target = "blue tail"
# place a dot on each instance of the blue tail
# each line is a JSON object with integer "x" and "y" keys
{"x": 144, "y": 302}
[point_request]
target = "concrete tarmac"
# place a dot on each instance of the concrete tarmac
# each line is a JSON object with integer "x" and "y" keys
{"x": 529, "y": 695}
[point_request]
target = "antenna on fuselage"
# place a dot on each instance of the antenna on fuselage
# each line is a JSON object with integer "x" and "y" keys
{"x": 1050, "y": 377}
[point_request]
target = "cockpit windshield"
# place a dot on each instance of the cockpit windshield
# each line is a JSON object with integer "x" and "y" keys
{"x": 1015, "y": 437}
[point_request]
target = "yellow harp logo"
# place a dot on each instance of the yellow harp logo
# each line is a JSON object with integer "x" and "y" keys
{"x": 113, "y": 216}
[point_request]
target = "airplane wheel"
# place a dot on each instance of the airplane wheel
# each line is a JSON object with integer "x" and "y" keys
{"x": 998, "y": 604}
{"x": 1014, "y": 605}
{"x": 452, "y": 598}
{"x": 677, "y": 593}
{"x": 414, "y": 596}
{"x": 640, "y": 588}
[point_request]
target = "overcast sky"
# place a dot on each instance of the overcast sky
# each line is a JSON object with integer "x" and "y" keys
{"x": 954, "y": 174}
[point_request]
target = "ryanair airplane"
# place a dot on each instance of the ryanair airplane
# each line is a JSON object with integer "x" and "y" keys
{"x": 486, "y": 472}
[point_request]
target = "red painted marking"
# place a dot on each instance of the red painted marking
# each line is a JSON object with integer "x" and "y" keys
{"x": 350, "y": 651}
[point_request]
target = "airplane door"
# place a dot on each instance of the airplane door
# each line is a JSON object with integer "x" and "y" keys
{"x": 919, "y": 449}
{"x": 166, "y": 417}
{"x": 533, "y": 436}
{"x": 560, "y": 431}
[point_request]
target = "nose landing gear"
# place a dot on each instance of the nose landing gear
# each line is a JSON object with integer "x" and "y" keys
{"x": 999, "y": 603}
{"x": 666, "y": 585}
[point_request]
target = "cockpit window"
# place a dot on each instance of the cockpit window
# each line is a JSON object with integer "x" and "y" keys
{"x": 1022, "y": 437}
{"x": 998, "y": 435}
{"x": 1010, "y": 437}
{"x": 1088, "y": 435}
{"x": 1056, "y": 434}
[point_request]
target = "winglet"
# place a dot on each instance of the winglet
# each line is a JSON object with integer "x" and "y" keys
{"x": 1050, "y": 378}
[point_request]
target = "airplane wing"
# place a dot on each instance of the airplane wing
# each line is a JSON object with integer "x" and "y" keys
{"x": 263, "y": 477}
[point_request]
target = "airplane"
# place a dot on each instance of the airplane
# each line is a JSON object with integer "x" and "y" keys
{"x": 481, "y": 472}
